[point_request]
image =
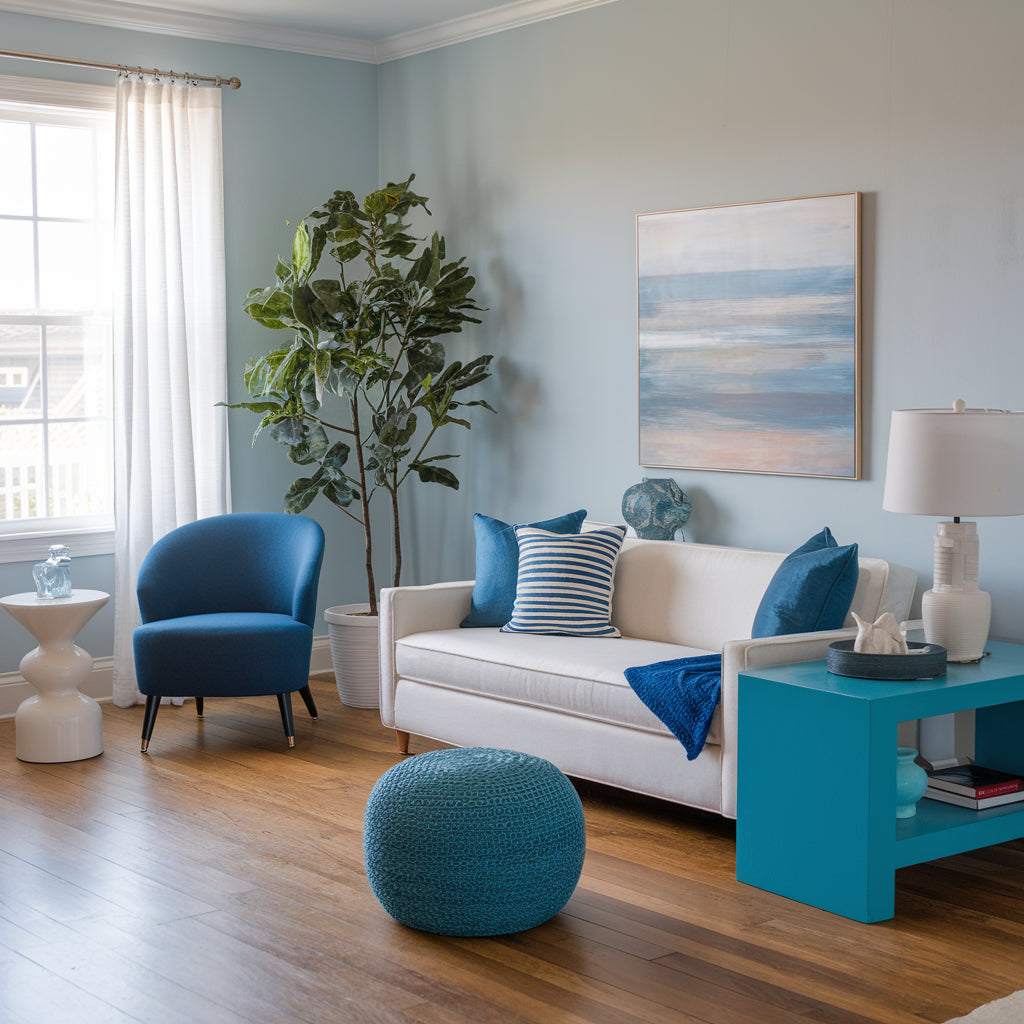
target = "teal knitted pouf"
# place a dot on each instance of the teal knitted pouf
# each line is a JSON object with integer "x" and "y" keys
{"x": 473, "y": 841}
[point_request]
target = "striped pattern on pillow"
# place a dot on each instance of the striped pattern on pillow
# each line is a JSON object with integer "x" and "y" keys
{"x": 565, "y": 582}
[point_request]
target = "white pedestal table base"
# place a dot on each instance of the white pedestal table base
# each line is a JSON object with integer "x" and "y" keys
{"x": 60, "y": 723}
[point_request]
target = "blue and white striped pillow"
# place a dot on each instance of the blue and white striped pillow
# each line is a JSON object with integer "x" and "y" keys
{"x": 565, "y": 582}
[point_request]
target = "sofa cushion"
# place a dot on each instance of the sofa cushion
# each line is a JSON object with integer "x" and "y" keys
{"x": 811, "y": 590}
{"x": 497, "y": 565}
{"x": 565, "y": 582}
{"x": 580, "y": 676}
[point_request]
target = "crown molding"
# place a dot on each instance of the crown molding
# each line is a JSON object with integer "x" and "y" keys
{"x": 474, "y": 26}
{"x": 143, "y": 18}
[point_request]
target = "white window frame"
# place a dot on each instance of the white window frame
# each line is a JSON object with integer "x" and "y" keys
{"x": 86, "y": 535}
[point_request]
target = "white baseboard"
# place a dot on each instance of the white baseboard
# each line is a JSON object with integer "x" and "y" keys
{"x": 320, "y": 659}
{"x": 14, "y": 688}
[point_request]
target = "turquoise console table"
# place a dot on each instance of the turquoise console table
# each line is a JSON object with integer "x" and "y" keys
{"x": 816, "y": 799}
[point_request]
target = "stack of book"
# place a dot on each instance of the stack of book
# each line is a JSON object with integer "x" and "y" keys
{"x": 971, "y": 785}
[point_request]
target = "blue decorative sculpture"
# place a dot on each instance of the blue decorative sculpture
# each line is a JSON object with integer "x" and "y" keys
{"x": 53, "y": 577}
{"x": 656, "y": 508}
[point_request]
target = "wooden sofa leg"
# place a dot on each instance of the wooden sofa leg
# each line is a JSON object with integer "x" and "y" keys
{"x": 403, "y": 741}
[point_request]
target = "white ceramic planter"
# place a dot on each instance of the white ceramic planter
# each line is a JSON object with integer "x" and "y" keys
{"x": 355, "y": 653}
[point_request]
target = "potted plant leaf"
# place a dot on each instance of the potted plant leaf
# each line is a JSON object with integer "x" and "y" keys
{"x": 361, "y": 388}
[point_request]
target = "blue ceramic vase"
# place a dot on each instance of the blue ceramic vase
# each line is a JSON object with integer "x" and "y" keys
{"x": 911, "y": 782}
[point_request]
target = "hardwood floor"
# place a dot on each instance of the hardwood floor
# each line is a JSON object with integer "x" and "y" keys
{"x": 220, "y": 879}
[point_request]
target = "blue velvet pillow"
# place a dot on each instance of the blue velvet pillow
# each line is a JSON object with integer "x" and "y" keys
{"x": 811, "y": 590}
{"x": 497, "y": 565}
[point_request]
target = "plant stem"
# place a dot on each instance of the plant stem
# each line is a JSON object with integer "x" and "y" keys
{"x": 330, "y": 426}
{"x": 398, "y": 535}
{"x": 364, "y": 500}
{"x": 423, "y": 447}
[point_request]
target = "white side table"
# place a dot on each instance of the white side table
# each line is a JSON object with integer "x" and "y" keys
{"x": 60, "y": 724}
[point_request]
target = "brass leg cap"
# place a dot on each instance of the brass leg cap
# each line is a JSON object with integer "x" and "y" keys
{"x": 291, "y": 741}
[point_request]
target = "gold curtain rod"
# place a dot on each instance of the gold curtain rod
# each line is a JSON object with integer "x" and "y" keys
{"x": 216, "y": 79}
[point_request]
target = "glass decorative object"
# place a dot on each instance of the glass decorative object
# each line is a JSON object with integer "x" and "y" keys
{"x": 53, "y": 577}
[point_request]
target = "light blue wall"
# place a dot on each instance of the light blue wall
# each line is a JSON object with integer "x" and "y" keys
{"x": 541, "y": 145}
{"x": 299, "y": 128}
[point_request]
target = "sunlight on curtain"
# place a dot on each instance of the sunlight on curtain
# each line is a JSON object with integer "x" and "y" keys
{"x": 170, "y": 347}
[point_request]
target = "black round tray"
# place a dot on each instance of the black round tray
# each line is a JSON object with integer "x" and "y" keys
{"x": 843, "y": 660}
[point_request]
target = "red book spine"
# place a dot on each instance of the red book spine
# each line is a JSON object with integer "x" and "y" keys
{"x": 996, "y": 788}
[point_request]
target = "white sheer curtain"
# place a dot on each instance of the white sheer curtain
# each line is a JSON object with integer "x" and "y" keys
{"x": 170, "y": 347}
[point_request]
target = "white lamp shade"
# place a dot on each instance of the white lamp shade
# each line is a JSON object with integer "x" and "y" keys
{"x": 955, "y": 463}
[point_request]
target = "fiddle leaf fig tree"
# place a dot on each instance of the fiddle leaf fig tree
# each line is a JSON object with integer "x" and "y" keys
{"x": 361, "y": 389}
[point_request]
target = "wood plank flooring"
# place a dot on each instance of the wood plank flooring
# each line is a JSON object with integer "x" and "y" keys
{"x": 220, "y": 879}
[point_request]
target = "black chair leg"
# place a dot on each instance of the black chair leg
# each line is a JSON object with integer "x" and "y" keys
{"x": 307, "y": 696}
{"x": 199, "y": 707}
{"x": 149, "y": 719}
{"x": 284, "y": 701}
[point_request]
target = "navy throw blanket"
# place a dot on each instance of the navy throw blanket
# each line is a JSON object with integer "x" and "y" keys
{"x": 683, "y": 693}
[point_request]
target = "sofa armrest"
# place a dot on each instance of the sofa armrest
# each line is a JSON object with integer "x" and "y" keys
{"x": 746, "y": 655}
{"x": 407, "y": 610}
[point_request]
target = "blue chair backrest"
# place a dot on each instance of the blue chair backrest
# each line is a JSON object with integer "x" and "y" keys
{"x": 240, "y": 562}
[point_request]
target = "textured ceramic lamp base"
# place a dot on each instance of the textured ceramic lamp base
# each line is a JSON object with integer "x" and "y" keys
{"x": 959, "y": 621}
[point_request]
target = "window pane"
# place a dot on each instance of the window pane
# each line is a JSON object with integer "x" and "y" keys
{"x": 21, "y": 472}
{"x": 81, "y": 469}
{"x": 17, "y": 267}
{"x": 15, "y": 169}
{"x": 78, "y": 371}
{"x": 68, "y": 267}
{"x": 20, "y": 385}
{"x": 60, "y": 148}
{"x": 56, "y": 191}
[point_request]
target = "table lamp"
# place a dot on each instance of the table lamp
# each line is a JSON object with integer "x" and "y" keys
{"x": 956, "y": 462}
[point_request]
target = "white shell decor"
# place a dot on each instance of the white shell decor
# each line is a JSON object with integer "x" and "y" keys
{"x": 882, "y": 636}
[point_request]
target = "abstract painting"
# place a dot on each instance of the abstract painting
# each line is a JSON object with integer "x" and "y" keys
{"x": 749, "y": 337}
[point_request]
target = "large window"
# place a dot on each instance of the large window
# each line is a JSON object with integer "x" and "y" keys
{"x": 56, "y": 192}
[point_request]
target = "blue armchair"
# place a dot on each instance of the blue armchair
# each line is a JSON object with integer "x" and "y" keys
{"x": 228, "y": 605}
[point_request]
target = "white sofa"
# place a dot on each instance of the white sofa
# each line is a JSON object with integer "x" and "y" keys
{"x": 566, "y": 698}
